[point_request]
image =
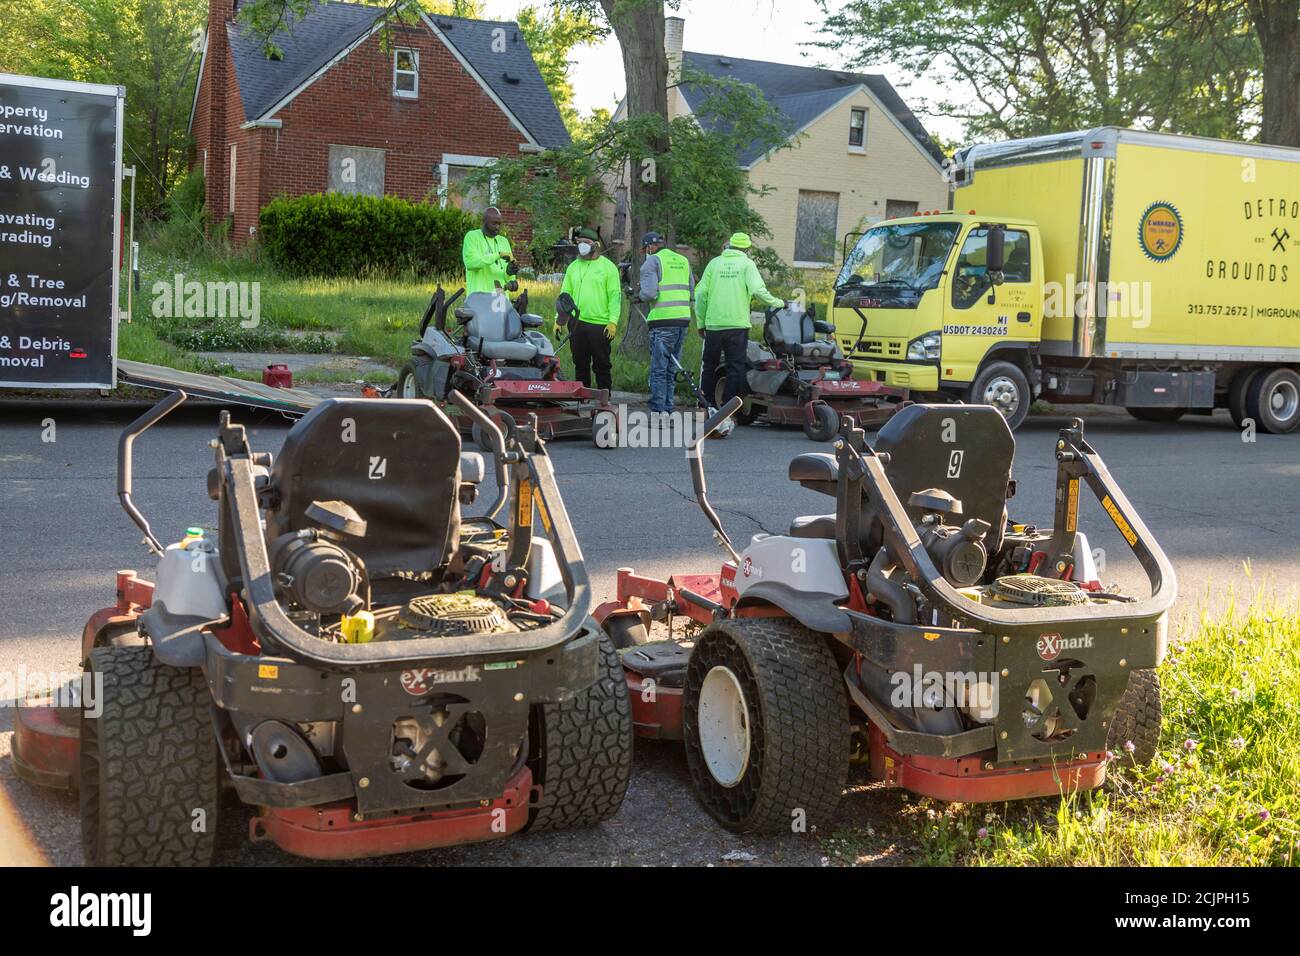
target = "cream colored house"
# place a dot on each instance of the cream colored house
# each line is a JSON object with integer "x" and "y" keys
{"x": 860, "y": 155}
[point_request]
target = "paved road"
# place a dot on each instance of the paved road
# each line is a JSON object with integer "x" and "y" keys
{"x": 1216, "y": 503}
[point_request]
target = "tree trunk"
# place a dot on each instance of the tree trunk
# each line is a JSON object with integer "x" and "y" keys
{"x": 639, "y": 27}
{"x": 1278, "y": 24}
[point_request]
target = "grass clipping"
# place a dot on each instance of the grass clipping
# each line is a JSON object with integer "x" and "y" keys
{"x": 1224, "y": 789}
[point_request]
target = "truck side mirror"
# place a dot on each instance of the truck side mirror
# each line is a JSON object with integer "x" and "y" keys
{"x": 995, "y": 253}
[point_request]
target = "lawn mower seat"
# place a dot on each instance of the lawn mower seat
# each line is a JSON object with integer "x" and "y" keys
{"x": 396, "y": 461}
{"x": 966, "y": 450}
{"x": 793, "y": 334}
{"x": 496, "y": 330}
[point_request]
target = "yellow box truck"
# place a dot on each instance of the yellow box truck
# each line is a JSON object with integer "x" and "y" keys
{"x": 1155, "y": 272}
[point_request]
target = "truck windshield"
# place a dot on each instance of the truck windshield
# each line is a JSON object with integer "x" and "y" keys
{"x": 908, "y": 256}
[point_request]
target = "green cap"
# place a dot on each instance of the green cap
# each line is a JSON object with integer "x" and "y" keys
{"x": 740, "y": 240}
{"x": 586, "y": 233}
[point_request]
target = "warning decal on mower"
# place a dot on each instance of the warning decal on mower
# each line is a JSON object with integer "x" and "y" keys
{"x": 1120, "y": 521}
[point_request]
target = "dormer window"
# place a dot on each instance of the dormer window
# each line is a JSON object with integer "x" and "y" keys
{"x": 406, "y": 73}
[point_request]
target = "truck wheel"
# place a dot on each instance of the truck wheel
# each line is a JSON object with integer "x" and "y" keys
{"x": 1005, "y": 387}
{"x": 407, "y": 384}
{"x": 1237, "y": 394}
{"x": 1273, "y": 400}
{"x": 1156, "y": 414}
{"x": 825, "y": 423}
{"x": 149, "y": 764}
{"x": 1136, "y": 720}
{"x": 766, "y": 724}
{"x": 582, "y": 750}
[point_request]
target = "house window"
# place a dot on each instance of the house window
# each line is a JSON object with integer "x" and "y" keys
{"x": 406, "y": 73}
{"x": 356, "y": 171}
{"x": 233, "y": 164}
{"x": 455, "y": 191}
{"x": 815, "y": 227}
{"x": 858, "y": 130}
{"x": 897, "y": 208}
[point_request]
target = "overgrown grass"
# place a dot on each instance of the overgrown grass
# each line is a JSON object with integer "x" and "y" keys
{"x": 373, "y": 317}
{"x": 1223, "y": 791}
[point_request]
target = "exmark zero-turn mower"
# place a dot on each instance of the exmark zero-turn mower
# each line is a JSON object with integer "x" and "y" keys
{"x": 796, "y": 377}
{"x": 965, "y": 656}
{"x": 372, "y": 670}
{"x": 499, "y": 358}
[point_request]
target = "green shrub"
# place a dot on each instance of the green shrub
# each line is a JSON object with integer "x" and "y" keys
{"x": 356, "y": 236}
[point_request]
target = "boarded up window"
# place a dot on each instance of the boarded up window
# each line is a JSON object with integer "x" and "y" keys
{"x": 894, "y": 208}
{"x": 461, "y": 194}
{"x": 815, "y": 226}
{"x": 356, "y": 170}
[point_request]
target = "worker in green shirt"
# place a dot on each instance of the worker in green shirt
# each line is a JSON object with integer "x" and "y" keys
{"x": 489, "y": 261}
{"x": 592, "y": 281}
{"x": 722, "y": 300}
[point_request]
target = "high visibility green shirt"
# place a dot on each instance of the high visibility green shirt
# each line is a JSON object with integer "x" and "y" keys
{"x": 594, "y": 285}
{"x": 723, "y": 294}
{"x": 484, "y": 267}
{"x": 666, "y": 277}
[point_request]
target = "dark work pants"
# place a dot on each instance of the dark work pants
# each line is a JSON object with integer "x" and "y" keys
{"x": 730, "y": 345}
{"x": 591, "y": 353}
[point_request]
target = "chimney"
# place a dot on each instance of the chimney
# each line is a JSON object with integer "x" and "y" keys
{"x": 674, "y": 31}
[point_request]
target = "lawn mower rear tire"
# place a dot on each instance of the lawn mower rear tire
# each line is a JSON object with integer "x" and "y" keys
{"x": 150, "y": 784}
{"x": 408, "y": 386}
{"x": 1136, "y": 720}
{"x": 766, "y": 724}
{"x": 582, "y": 750}
{"x": 749, "y": 411}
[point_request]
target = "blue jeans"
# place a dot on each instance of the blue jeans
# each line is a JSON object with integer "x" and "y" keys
{"x": 664, "y": 342}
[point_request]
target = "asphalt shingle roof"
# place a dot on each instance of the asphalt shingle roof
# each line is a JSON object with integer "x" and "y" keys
{"x": 310, "y": 42}
{"x": 801, "y": 93}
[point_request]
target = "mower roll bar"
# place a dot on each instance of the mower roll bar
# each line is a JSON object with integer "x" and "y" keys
{"x": 125, "y": 444}
{"x": 1075, "y": 457}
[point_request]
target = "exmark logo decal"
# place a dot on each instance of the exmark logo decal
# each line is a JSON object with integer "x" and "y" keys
{"x": 421, "y": 680}
{"x": 1050, "y": 645}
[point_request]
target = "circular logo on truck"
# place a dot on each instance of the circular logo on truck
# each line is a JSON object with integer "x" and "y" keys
{"x": 1160, "y": 231}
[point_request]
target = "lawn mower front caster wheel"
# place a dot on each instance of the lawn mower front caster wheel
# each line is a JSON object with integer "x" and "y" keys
{"x": 825, "y": 424}
{"x": 149, "y": 764}
{"x": 1137, "y": 721}
{"x": 581, "y": 750}
{"x": 765, "y": 718}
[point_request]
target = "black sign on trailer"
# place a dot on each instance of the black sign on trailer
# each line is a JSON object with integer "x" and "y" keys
{"x": 60, "y": 196}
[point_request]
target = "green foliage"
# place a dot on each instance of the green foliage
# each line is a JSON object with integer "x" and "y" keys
{"x": 1028, "y": 67}
{"x": 552, "y": 36}
{"x": 151, "y": 47}
{"x": 336, "y": 235}
{"x": 708, "y": 194}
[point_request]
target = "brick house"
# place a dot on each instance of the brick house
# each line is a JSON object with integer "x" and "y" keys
{"x": 353, "y": 103}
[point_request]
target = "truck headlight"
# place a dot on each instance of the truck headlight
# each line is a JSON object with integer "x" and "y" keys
{"x": 925, "y": 348}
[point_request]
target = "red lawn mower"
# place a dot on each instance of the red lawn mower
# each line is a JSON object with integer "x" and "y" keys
{"x": 501, "y": 361}
{"x": 796, "y": 377}
{"x": 916, "y": 628}
{"x": 369, "y": 668}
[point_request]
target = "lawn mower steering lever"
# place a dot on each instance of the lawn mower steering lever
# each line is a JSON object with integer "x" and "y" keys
{"x": 695, "y": 452}
{"x": 500, "y": 457}
{"x": 124, "y": 446}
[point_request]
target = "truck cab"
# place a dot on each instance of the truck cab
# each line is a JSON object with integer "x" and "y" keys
{"x": 947, "y": 304}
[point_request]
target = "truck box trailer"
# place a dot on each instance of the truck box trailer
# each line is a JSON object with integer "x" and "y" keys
{"x": 1156, "y": 272}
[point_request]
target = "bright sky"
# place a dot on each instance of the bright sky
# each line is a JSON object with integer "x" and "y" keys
{"x": 755, "y": 29}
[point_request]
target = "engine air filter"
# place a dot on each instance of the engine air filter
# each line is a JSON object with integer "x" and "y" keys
{"x": 1035, "y": 591}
